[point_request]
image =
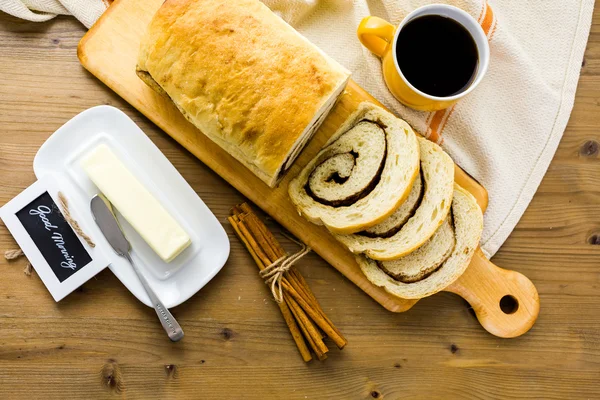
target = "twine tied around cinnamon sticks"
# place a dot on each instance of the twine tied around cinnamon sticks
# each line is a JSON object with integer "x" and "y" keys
{"x": 273, "y": 274}
{"x": 11, "y": 255}
{"x": 302, "y": 313}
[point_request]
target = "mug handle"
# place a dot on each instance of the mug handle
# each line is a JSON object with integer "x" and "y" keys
{"x": 375, "y": 34}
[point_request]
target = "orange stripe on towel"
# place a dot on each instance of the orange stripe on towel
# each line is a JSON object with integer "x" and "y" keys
{"x": 435, "y": 125}
{"x": 493, "y": 30}
{"x": 438, "y": 121}
{"x": 482, "y": 13}
{"x": 444, "y": 121}
{"x": 488, "y": 20}
{"x": 432, "y": 133}
{"x": 428, "y": 121}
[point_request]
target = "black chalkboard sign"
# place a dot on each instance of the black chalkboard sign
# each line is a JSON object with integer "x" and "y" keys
{"x": 54, "y": 237}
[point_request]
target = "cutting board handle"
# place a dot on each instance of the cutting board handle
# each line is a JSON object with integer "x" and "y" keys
{"x": 505, "y": 302}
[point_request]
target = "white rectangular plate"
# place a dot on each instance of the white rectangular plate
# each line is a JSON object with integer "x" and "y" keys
{"x": 174, "y": 282}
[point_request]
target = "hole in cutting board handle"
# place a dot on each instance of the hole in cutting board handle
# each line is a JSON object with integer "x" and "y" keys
{"x": 509, "y": 304}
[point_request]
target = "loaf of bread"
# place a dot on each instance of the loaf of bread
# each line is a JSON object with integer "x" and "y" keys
{"x": 440, "y": 261}
{"x": 413, "y": 229}
{"x": 415, "y": 221}
{"x": 241, "y": 75}
{"x": 364, "y": 173}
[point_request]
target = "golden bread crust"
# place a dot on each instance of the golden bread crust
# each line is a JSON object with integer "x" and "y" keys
{"x": 241, "y": 75}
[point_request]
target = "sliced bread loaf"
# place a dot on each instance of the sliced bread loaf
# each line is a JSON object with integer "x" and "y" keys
{"x": 421, "y": 276}
{"x": 426, "y": 209}
{"x": 364, "y": 173}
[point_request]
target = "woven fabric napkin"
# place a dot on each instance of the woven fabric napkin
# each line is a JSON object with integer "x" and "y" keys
{"x": 504, "y": 133}
{"x": 86, "y": 11}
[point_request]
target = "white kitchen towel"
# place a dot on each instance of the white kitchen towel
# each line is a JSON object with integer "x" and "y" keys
{"x": 506, "y": 132}
{"x": 86, "y": 11}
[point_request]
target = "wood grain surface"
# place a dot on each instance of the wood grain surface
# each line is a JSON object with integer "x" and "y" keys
{"x": 109, "y": 52}
{"x": 100, "y": 342}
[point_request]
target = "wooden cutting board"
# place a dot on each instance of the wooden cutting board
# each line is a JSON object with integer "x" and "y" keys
{"x": 109, "y": 51}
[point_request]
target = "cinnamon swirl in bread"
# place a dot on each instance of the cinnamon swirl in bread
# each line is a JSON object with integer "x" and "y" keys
{"x": 415, "y": 221}
{"x": 437, "y": 263}
{"x": 364, "y": 173}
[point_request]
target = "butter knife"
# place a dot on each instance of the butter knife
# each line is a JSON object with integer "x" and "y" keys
{"x": 108, "y": 224}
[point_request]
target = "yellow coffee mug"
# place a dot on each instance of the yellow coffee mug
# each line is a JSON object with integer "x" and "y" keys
{"x": 380, "y": 37}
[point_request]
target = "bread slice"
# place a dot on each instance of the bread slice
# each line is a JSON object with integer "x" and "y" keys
{"x": 467, "y": 223}
{"x": 426, "y": 259}
{"x": 394, "y": 222}
{"x": 362, "y": 175}
{"x": 390, "y": 241}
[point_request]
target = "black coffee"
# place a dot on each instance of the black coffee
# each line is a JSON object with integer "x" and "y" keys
{"x": 437, "y": 55}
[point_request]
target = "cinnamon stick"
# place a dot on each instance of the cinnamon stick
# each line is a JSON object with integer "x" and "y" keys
{"x": 285, "y": 311}
{"x": 250, "y": 228}
{"x": 296, "y": 334}
{"x": 265, "y": 261}
{"x": 277, "y": 251}
{"x": 315, "y": 316}
{"x": 301, "y": 310}
{"x": 267, "y": 245}
{"x": 315, "y": 302}
{"x": 306, "y": 325}
{"x": 269, "y": 235}
{"x": 237, "y": 230}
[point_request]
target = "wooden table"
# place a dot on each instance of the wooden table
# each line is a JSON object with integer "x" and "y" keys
{"x": 100, "y": 342}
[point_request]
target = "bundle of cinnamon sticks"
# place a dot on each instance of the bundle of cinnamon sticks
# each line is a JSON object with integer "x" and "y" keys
{"x": 300, "y": 309}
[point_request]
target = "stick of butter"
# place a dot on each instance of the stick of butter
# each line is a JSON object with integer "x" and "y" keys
{"x": 145, "y": 214}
